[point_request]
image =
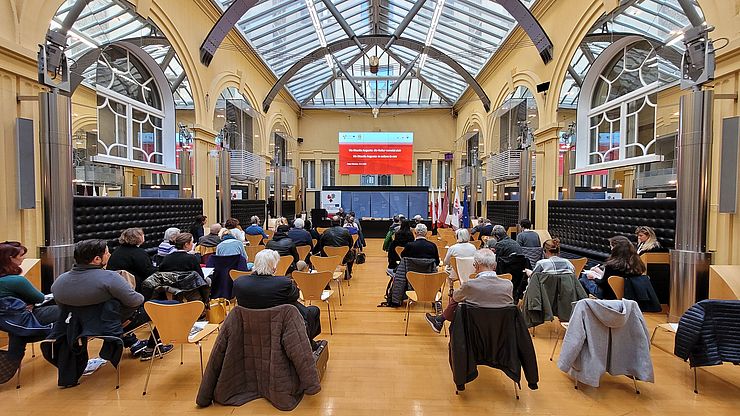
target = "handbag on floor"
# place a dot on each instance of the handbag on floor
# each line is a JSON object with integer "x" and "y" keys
{"x": 360, "y": 258}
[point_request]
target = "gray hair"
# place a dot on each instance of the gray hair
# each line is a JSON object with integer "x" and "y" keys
{"x": 265, "y": 262}
{"x": 298, "y": 223}
{"x": 462, "y": 235}
{"x": 498, "y": 231}
{"x": 485, "y": 258}
{"x": 170, "y": 234}
{"x": 420, "y": 230}
{"x": 255, "y": 220}
{"x": 215, "y": 228}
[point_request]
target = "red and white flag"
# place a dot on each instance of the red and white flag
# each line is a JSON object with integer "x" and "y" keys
{"x": 433, "y": 207}
{"x": 453, "y": 218}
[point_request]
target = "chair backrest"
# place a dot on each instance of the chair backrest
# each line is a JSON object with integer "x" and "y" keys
{"x": 325, "y": 264}
{"x": 578, "y": 265}
{"x": 234, "y": 274}
{"x": 320, "y": 230}
{"x": 252, "y": 251}
{"x": 399, "y": 250}
{"x": 475, "y": 235}
{"x": 254, "y": 240}
{"x": 283, "y": 265}
{"x": 270, "y": 234}
{"x": 474, "y": 275}
{"x": 476, "y": 243}
{"x": 312, "y": 284}
{"x": 202, "y": 250}
{"x": 617, "y": 285}
{"x": 174, "y": 321}
{"x": 655, "y": 258}
{"x": 303, "y": 252}
{"x": 336, "y": 251}
{"x": 428, "y": 235}
{"x": 441, "y": 248}
{"x": 426, "y": 285}
{"x": 355, "y": 237}
{"x": 314, "y": 242}
{"x": 464, "y": 266}
{"x": 506, "y": 276}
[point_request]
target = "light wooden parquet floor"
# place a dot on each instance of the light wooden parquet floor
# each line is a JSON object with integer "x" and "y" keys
{"x": 374, "y": 370}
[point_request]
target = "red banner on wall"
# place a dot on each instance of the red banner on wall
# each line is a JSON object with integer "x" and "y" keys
{"x": 376, "y": 153}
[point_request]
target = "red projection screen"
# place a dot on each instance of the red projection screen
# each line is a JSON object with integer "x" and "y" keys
{"x": 374, "y": 153}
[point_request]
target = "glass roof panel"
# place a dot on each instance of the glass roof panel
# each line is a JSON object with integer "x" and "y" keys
{"x": 106, "y": 21}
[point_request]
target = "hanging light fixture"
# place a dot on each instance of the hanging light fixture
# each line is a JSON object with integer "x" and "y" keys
{"x": 374, "y": 64}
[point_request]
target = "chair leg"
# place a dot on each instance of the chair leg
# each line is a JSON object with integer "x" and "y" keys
{"x": 516, "y": 391}
{"x": 339, "y": 289}
{"x": 18, "y": 377}
{"x": 575, "y": 380}
{"x": 557, "y": 338}
{"x": 653, "y": 336}
{"x": 696, "y": 382}
{"x": 149, "y": 373}
{"x": 181, "y": 353}
{"x": 200, "y": 348}
{"x": 328, "y": 317}
{"x": 408, "y": 303}
{"x": 118, "y": 374}
{"x": 445, "y": 328}
{"x": 335, "y": 310}
{"x": 33, "y": 350}
{"x": 634, "y": 380}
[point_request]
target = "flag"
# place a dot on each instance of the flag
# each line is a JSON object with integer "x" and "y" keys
{"x": 465, "y": 215}
{"x": 433, "y": 206}
{"x": 443, "y": 213}
{"x": 453, "y": 219}
{"x": 439, "y": 209}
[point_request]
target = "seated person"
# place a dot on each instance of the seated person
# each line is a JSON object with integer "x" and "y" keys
{"x": 13, "y": 285}
{"x": 197, "y": 228}
{"x": 647, "y": 241}
{"x": 262, "y": 290}
{"x": 349, "y": 224}
{"x": 487, "y": 290}
{"x": 486, "y": 230}
{"x": 503, "y": 246}
{"x": 480, "y": 224}
{"x": 623, "y": 262}
{"x": 299, "y": 235}
{"x": 462, "y": 248}
{"x": 88, "y": 283}
{"x": 361, "y": 237}
{"x": 181, "y": 260}
{"x": 527, "y": 237}
{"x": 552, "y": 263}
{"x": 229, "y": 245}
{"x": 302, "y": 266}
{"x": 232, "y": 224}
{"x": 254, "y": 228}
{"x": 337, "y": 236}
{"x": 131, "y": 257}
{"x": 417, "y": 219}
{"x": 166, "y": 247}
{"x": 421, "y": 248}
{"x": 310, "y": 228}
{"x": 402, "y": 237}
{"x": 212, "y": 239}
{"x": 284, "y": 245}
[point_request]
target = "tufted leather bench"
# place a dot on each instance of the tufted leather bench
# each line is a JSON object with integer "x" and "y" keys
{"x": 244, "y": 209}
{"x": 506, "y": 213}
{"x": 106, "y": 217}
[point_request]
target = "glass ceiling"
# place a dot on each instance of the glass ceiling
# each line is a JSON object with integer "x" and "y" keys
{"x": 284, "y": 31}
{"x": 662, "y": 20}
{"x": 106, "y": 21}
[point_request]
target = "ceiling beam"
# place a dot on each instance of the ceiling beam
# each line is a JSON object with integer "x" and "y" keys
{"x": 575, "y": 75}
{"x": 334, "y": 77}
{"x": 422, "y": 79}
{"x": 409, "y": 68}
{"x": 342, "y": 23}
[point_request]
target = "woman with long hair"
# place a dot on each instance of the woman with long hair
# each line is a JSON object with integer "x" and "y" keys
{"x": 552, "y": 263}
{"x": 402, "y": 237}
{"x": 647, "y": 241}
{"x": 623, "y": 261}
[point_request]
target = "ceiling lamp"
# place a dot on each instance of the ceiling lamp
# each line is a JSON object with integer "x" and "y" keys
{"x": 374, "y": 64}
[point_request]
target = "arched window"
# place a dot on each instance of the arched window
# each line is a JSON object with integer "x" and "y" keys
{"x": 135, "y": 111}
{"x": 617, "y": 115}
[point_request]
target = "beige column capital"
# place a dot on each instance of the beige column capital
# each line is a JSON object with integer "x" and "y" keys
{"x": 547, "y": 133}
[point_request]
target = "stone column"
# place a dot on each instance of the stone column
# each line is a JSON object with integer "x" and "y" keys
{"x": 204, "y": 172}
{"x": 546, "y": 151}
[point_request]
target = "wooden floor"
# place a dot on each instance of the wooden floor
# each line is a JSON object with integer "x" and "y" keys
{"x": 374, "y": 370}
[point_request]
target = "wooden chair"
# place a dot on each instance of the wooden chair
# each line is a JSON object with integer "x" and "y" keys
{"x": 399, "y": 250}
{"x": 578, "y": 265}
{"x": 463, "y": 266}
{"x": 174, "y": 323}
{"x": 506, "y": 276}
{"x": 441, "y": 249}
{"x": 543, "y": 234}
{"x": 312, "y": 289}
{"x": 235, "y": 274}
{"x": 270, "y": 234}
{"x": 617, "y": 285}
{"x": 427, "y": 288}
{"x": 314, "y": 242}
{"x": 254, "y": 240}
{"x": 252, "y": 251}
{"x": 341, "y": 252}
{"x": 355, "y": 237}
{"x": 428, "y": 235}
{"x": 283, "y": 265}
{"x": 320, "y": 230}
{"x": 330, "y": 264}
{"x": 475, "y": 235}
{"x": 303, "y": 252}
{"x": 477, "y": 244}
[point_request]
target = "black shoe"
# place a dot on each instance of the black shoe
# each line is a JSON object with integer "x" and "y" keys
{"x": 437, "y": 307}
{"x": 433, "y": 322}
{"x": 148, "y": 353}
{"x": 138, "y": 348}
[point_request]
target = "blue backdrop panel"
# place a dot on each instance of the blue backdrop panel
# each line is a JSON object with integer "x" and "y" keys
{"x": 400, "y": 203}
{"x": 418, "y": 204}
{"x": 380, "y": 205}
{"x": 347, "y": 200}
{"x": 360, "y": 204}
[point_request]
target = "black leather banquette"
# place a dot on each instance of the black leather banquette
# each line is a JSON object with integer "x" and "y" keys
{"x": 506, "y": 213}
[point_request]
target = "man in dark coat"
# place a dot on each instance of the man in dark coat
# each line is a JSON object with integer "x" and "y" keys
{"x": 421, "y": 248}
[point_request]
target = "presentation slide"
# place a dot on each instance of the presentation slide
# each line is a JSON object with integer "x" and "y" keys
{"x": 376, "y": 153}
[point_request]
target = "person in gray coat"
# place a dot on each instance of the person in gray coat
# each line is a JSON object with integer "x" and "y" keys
{"x": 527, "y": 237}
{"x": 606, "y": 336}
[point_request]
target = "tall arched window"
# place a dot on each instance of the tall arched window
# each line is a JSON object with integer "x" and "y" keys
{"x": 135, "y": 111}
{"x": 617, "y": 115}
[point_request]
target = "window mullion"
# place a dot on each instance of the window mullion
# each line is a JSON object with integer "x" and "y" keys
{"x": 130, "y": 132}
{"x": 623, "y": 135}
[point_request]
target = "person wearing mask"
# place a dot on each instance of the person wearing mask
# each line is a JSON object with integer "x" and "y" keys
{"x": 230, "y": 246}
{"x": 284, "y": 245}
{"x": 166, "y": 247}
{"x": 212, "y": 239}
{"x": 197, "y": 228}
{"x": 402, "y": 237}
{"x": 129, "y": 256}
{"x": 255, "y": 228}
{"x": 262, "y": 290}
{"x": 14, "y": 285}
{"x": 421, "y": 248}
{"x": 182, "y": 260}
{"x": 88, "y": 283}
{"x": 623, "y": 261}
{"x": 232, "y": 224}
{"x": 462, "y": 248}
{"x": 487, "y": 290}
{"x": 552, "y": 263}
{"x": 337, "y": 236}
{"x": 647, "y": 241}
{"x": 417, "y": 219}
{"x": 527, "y": 237}
{"x": 503, "y": 246}
{"x": 299, "y": 235}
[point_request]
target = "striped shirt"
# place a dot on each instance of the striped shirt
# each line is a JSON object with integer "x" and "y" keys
{"x": 554, "y": 265}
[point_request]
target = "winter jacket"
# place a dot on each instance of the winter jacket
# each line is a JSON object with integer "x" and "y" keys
{"x": 16, "y": 320}
{"x": 209, "y": 240}
{"x": 606, "y": 336}
{"x": 182, "y": 285}
{"x": 221, "y": 282}
{"x": 641, "y": 291}
{"x": 68, "y": 352}
{"x": 336, "y": 237}
{"x": 495, "y": 337}
{"x": 708, "y": 333}
{"x": 396, "y": 292}
{"x": 551, "y": 295}
{"x": 285, "y": 246}
{"x": 134, "y": 260}
{"x": 260, "y": 353}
